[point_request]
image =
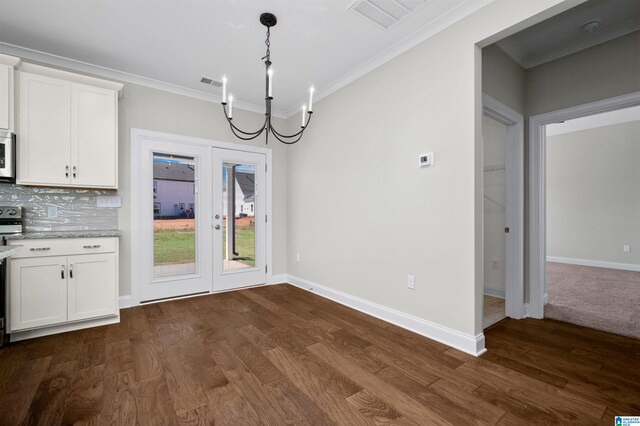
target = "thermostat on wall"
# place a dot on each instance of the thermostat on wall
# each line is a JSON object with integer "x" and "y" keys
{"x": 426, "y": 160}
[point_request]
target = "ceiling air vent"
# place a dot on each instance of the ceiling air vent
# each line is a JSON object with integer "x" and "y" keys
{"x": 210, "y": 82}
{"x": 386, "y": 13}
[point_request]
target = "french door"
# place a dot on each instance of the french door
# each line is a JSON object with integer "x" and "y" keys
{"x": 239, "y": 219}
{"x": 201, "y": 218}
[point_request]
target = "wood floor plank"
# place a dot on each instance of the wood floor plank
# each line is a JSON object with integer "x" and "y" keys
{"x": 407, "y": 406}
{"x": 86, "y": 397}
{"x": 153, "y": 402}
{"x": 279, "y": 355}
{"x": 321, "y": 391}
{"x": 47, "y": 406}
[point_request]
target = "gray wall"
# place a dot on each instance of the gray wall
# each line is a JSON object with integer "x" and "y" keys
{"x": 363, "y": 216}
{"x": 593, "y": 201}
{"x": 151, "y": 109}
{"x": 503, "y": 78}
{"x": 603, "y": 71}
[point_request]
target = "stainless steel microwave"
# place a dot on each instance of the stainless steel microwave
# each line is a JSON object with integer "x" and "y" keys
{"x": 7, "y": 156}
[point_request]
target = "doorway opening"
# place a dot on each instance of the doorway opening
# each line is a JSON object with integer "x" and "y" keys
{"x": 503, "y": 212}
{"x": 583, "y": 267}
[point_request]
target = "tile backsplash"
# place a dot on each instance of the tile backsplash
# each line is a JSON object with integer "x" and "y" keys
{"x": 77, "y": 210}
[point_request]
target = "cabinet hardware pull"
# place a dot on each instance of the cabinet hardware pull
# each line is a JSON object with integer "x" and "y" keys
{"x": 66, "y": 171}
{"x": 40, "y": 248}
{"x": 74, "y": 172}
{"x": 93, "y": 246}
{"x": 70, "y": 271}
{"x": 62, "y": 272}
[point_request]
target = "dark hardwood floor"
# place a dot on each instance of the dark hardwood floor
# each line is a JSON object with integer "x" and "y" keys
{"x": 278, "y": 355}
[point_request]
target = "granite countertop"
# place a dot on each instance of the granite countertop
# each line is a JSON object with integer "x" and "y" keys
{"x": 65, "y": 234}
{"x": 6, "y": 251}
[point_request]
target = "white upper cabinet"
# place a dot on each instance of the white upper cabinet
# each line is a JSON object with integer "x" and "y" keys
{"x": 94, "y": 153}
{"x": 67, "y": 129}
{"x": 44, "y": 130}
{"x": 7, "y": 64}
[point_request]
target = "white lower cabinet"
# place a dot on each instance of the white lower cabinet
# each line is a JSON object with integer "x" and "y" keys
{"x": 38, "y": 292}
{"x": 91, "y": 290}
{"x": 80, "y": 285}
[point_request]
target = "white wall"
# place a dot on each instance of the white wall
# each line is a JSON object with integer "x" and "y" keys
{"x": 146, "y": 108}
{"x": 494, "y": 136}
{"x": 593, "y": 196}
{"x": 365, "y": 141}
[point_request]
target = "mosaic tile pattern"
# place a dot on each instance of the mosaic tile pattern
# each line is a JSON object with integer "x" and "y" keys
{"x": 77, "y": 210}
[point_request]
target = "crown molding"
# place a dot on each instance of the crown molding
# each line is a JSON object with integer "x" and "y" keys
{"x": 42, "y": 58}
{"x": 425, "y": 32}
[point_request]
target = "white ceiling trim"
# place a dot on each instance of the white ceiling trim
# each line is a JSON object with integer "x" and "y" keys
{"x": 428, "y": 30}
{"x": 610, "y": 118}
{"x": 121, "y": 76}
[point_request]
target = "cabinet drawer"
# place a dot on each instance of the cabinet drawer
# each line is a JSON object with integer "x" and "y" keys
{"x": 64, "y": 246}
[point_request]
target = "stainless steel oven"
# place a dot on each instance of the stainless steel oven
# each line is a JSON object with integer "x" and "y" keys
{"x": 7, "y": 156}
{"x": 10, "y": 223}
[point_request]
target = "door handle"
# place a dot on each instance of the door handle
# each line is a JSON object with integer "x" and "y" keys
{"x": 217, "y": 226}
{"x": 506, "y": 230}
{"x": 217, "y": 216}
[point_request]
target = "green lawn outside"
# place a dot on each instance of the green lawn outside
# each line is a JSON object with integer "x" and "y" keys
{"x": 178, "y": 246}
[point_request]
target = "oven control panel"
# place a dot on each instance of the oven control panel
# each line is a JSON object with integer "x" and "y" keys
{"x": 10, "y": 212}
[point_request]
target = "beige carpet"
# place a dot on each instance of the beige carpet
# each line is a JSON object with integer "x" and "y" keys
{"x": 600, "y": 298}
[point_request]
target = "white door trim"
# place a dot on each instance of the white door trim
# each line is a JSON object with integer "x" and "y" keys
{"x": 136, "y": 213}
{"x": 537, "y": 187}
{"x": 514, "y": 262}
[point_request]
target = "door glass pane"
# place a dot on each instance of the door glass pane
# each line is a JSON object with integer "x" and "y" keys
{"x": 238, "y": 213}
{"x": 174, "y": 242}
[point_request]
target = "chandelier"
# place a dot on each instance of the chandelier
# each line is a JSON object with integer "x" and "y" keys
{"x": 268, "y": 20}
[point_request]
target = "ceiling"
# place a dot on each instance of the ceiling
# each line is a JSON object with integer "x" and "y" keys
{"x": 562, "y": 35}
{"x": 171, "y": 44}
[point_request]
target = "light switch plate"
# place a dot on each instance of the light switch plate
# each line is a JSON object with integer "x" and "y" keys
{"x": 113, "y": 201}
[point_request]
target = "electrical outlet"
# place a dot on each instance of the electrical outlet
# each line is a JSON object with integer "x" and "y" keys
{"x": 626, "y": 248}
{"x": 495, "y": 264}
{"x": 52, "y": 212}
{"x": 109, "y": 201}
{"x": 297, "y": 257}
{"x": 411, "y": 282}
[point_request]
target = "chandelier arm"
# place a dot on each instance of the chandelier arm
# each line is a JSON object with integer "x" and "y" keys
{"x": 233, "y": 126}
{"x": 273, "y": 130}
{"x": 247, "y": 138}
{"x": 286, "y": 142}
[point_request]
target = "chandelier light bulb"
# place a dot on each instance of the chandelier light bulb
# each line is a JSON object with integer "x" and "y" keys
{"x": 270, "y": 79}
{"x": 224, "y": 89}
{"x": 311, "y": 90}
{"x": 304, "y": 113}
{"x": 230, "y": 106}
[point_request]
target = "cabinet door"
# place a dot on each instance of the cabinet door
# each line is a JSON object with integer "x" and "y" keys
{"x": 94, "y": 139}
{"x": 92, "y": 286}
{"x": 5, "y": 96}
{"x": 44, "y": 130}
{"x": 38, "y": 290}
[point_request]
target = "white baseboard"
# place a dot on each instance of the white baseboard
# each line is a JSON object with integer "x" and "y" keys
{"x": 595, "y": 263}
{"x": 277, "y": 279}
{"x": 126, "y": 302}
{"x": 470, "y": 344}
{"x": 494, "y": 291}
